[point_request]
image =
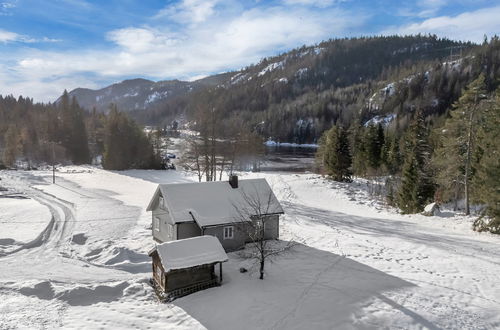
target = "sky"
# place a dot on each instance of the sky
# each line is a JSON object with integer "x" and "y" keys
{"x": 48, "y": 46}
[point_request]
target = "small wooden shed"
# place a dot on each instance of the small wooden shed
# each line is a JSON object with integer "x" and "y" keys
{"x": 188, "y": 265}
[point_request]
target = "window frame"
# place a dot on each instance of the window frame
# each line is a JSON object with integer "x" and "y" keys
{"x": 170, "y": 230}
{"x": 161, "y": 203}
{"x": 156, "y": 224}
{"x": 228, "y": 232}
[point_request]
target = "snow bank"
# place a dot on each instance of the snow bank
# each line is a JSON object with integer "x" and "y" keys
{"x": 22, "y": 219}
{"x": 360, "y": 264}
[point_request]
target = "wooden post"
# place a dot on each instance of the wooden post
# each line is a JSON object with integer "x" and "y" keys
{"x": 220, "y": 272}
{"x": 53, "y": 164}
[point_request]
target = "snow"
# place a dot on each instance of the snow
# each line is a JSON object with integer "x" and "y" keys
{"x": 301, "y": 72}
{"x": 315, "y": 51}
{"x": 272, "y": 143}
{"x": 431, "y": 209}
{"x": 214, "y": 203}
{"x": 357, "y": 263}
{"x": 131, "y": 94}
{"x": 21, "y": 221}
{"x": 384, "y": 120}
{"x": 283, "y": 80}
{"x": 190, "y": 252}
{"x": 271, "y": 67}
{"x": 237, "y": 78}
{"x": 390, "y": 89}
{"x": 155, "y": 96}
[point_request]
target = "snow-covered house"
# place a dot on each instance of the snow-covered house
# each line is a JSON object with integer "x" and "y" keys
{"x": 226, "y": 210}
{"x": 187, "y": 265}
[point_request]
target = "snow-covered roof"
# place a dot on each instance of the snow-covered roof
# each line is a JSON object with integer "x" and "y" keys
{"x": 215, "y": 203}
{"x": 190, "y": 252}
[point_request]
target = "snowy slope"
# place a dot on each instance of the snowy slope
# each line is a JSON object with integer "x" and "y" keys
{"x": 357, "y": 264}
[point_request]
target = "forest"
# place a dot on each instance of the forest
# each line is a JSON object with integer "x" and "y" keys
{"x": 63, "y": 133}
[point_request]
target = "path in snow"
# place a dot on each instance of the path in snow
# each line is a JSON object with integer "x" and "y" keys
{"x": 84, "y": 259}
{"x": 456, "y": 272}
{"x": 361, "y": 266}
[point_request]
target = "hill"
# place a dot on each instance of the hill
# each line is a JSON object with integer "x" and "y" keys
{"x": 299, "y": 94}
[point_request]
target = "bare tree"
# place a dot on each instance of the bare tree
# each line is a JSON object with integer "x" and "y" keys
{"x": 252, "y": 216}
{"x": 191, "y": 158}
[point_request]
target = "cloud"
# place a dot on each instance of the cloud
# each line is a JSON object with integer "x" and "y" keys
{"x": 189, "y": 11}
{"x": 467, "y": 26}
{"x": 315, "y": 3}
{"x": 222, "y": 43}
{"x": 5, "y": 7}
{"x": 7, "y": 36}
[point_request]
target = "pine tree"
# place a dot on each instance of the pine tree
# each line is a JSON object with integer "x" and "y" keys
{"x": 359, "y": 154}
{"x": 74, "y": 133}
{"x": 487, "y": 178}
{"x": 126, "y": 145}
{"x": 337, "y": 158}
{"x": 12, "y": 146}
{"x": 417, "y": 187}
{"x": 374, "y": 141}
{"x": 392, "y": 155}
{"x": 454, "y": 155}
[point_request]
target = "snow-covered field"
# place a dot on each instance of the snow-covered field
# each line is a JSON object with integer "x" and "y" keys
{"x": 83, "y": 262}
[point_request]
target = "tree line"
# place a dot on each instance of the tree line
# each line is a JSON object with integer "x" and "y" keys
{"x": 446, "y": 159}
{"x": 63, "y": 132}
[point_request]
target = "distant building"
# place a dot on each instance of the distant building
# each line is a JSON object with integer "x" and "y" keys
{"x": 188, "y": 265}
{"x": 222, "y": 209}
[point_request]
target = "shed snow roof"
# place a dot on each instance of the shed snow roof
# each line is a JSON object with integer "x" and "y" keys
{"x": 190, "y": 252}
{"x": 215, "y": 203}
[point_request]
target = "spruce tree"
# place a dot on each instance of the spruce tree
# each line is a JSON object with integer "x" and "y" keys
{"x": 454, "y": 155}
{"x": 12, "y": 146}
{"x": 374, "y": 141}
{"x": 359, "y": 154}
{"x": 487, "y": 178}
{"x": 417, "y": 187}
{"x": 392, "y": 155}
{"x": 337, "y": 156}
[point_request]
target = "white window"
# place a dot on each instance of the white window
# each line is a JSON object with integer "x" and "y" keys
{"x": 170, "y": 230}
{"x": 161, "y": 203}
{"x": 156, "y": 224}
{"x": 228, "y": 232}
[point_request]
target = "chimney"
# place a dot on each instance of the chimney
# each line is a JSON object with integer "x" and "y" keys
{"x": 233, "y": 181}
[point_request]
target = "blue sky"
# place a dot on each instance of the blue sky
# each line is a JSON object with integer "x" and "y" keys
{"x": 48, "y": 46}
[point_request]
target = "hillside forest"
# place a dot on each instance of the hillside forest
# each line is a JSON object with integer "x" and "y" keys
{"x": 419, "y": 112}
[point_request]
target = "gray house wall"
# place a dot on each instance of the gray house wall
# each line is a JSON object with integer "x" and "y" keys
{"x": 235, "y": 243}
{"x": 240, "y": 236}
{"x": 272, "y": 227}
{"x": 187, "y": 230}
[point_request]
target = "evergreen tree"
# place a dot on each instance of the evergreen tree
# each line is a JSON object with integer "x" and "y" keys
{"x": 487, "y": 178}
{"x": 374, "y": 141}
{"x": 126, "y": 145}
{"x": 417, "y": 187}
{"x": 359, "y": 154}
{"x": 454, "y": 155}
{"x": 74, "y": 133}
{"x": 12, "y": 146}
{"x": 392, "y": 155}
{"x": 337, "y": 157}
